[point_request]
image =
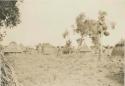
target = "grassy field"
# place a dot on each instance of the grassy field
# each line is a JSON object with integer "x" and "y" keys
{"x": 63, "y": 70}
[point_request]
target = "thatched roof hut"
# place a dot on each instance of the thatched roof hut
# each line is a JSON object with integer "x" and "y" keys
{"x": 119, "y": 49}
{"x": 13, "y": 48}
{"x": 48, "y": 48}
{"x": 84, "y": 48}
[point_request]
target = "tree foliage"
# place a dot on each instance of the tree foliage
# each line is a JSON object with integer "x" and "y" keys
{"x": 9, "y": 15}
{"x": 93, "y": 28}
{"x": 65, "y": 34}
{"x": 81, "y": 25}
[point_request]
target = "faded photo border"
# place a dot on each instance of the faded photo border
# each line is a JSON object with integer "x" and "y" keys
{"x": 4, "y": 63}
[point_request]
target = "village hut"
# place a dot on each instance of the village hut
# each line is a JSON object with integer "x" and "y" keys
{"x": 48, "y": 49}
{"x": 84, "y": 48}
{"x": 12, "y": 48}
{"x": 118, "y": 50}
{"x": 30, "y": 50}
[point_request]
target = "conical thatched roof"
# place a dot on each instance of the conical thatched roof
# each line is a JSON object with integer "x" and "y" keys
{"x": 48, "y": 48}
{"x": 119, "y": 49}
{"x": 13, "y": 48}
{"x": 84, "y": 48}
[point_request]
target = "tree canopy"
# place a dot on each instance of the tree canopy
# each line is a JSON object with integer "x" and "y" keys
{"x": 92, "y": 27}
{"x": 9, "y": 15}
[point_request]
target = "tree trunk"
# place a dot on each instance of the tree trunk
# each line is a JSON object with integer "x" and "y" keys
{"x": 81, "y": 41}
{"x": 100, "y": 46}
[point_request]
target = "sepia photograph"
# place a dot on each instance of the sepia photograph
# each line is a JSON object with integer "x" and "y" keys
{"x": 62, "y": 42}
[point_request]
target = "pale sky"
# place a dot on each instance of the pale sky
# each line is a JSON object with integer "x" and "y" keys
{"x": 46, "y": 20}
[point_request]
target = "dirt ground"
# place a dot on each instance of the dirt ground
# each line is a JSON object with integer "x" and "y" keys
{"x": 63, "y": 70}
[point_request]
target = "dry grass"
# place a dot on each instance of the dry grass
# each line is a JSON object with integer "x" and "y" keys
{"x": 63, "y": 70}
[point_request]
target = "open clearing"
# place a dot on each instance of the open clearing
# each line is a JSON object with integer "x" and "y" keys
{"x": 63, "y": 70}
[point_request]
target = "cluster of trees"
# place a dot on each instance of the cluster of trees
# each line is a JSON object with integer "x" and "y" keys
{"x": 94, "y": 28}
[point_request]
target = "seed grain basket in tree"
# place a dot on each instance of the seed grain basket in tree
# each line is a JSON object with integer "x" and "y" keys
{"x": 95, "y": 29}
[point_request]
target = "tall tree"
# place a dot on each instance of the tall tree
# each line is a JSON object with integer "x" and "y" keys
{"x": 9, "y": 18}
{"x": 102, "y": 30}
{"x": 81, "y": 27}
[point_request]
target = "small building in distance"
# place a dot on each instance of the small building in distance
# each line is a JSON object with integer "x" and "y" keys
{"x": 12, "y": 48}
{"x": 48, "y": 49}
{"x": 119, "y": 49}
{"x": 84, "y": 48}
